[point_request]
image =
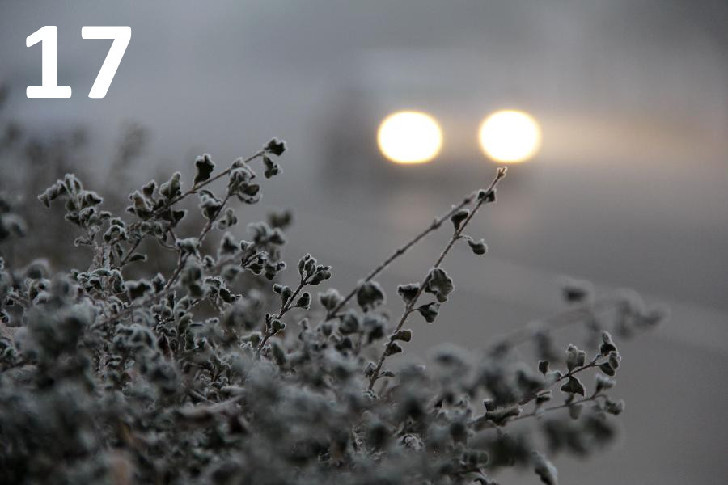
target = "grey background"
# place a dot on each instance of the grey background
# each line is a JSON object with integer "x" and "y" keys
{"x": 629, "y": 190}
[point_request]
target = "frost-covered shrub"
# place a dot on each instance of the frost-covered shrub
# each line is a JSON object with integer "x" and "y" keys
{"x": 216, "y": 372}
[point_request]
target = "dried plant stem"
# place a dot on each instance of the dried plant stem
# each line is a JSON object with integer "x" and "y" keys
{"x": 196, "y": 188}
{"x": 410, "y": 306}
{"x": 130, "y": 251}
{"x": 269, "y": 332}
{"x": 182, "y": 257}
{"x": 214, "y": 219}
{"x": 402, "y": 250}
{"x": 193, "y": 190}
{"x": 556, "y": 321}
{"x": 576, "y": 370}
{"x": 539, "y": 411}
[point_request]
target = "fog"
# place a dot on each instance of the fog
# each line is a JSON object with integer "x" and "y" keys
{"x": 630, "y": 187}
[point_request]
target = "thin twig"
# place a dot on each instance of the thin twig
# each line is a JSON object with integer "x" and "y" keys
{"x": 182, "y": 258}
{"x": 576, "y": 370}
{"x": 555, "y": 321}
{"x": 410, "y": 306}
{"x": 539, "y": 411}
{"x": 131, "y": 251}
{"x": 399, "y": 252}
{"x": 269, "y": 332}
{"x": 195, "y": 188}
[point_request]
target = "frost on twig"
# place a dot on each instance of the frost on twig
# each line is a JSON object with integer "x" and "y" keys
{"x": 215, "y": 370}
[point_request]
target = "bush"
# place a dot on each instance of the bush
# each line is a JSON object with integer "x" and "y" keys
{"x": 215, "y": 372}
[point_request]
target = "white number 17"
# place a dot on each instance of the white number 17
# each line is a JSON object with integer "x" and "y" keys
{"x": 48, "y": 36}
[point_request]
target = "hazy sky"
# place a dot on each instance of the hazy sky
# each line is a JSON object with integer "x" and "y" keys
{"x": 630, "y": 188}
